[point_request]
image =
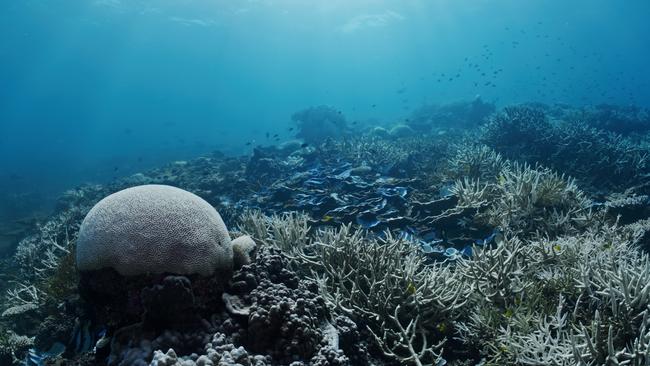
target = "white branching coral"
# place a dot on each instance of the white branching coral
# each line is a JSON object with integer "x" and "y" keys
{"x": 526, "y": 200}
{"x": 385, "y": 282}
{"x": 601, "y": 286}
{"x": 382, "y": 283}
{"x": 23, "y": 295}
{"x": 475, "y": 161}
{"x": 288, "y": 232}
{"x": 41, "y": 252}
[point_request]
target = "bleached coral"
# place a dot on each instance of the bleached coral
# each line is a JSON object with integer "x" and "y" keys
{"x": 288, "y": 232}
{"x": 599, "y": 281}
{"x": 379, "y": 282}
{"x": 42, "y": 251}
{"x": 475, "y": 161}
{"x": 526, "y": 200}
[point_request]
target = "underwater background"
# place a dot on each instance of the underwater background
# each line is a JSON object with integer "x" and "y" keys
{"x": 92, "y": 90}
{"x": 454, "y": 134}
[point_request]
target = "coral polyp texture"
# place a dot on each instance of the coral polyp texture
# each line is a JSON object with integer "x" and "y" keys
{"x": 154, "y": 229}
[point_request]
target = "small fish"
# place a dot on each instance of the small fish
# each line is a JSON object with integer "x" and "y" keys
{"x": 411, "y": 289}
{"x": 267, "y": 135}
{"x": 290, "y": 128}
{"x": 304, "y": 145}
{"x": 275, "y": 135}
{"x": 442, "y": 327}
{"x": 374, "y": 105}
{"x": 508, "y": 313}
{"x": 116, "y": 169}
{"x": 327, "y": 218}
{"x": 557, "y": 247}
{"x": 249, "y": 143}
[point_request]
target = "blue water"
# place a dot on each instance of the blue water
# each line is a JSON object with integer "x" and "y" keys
{"x": 94, "y": 89}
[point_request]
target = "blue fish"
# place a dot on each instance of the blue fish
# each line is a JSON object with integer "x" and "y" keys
{"x": 37, "y": 358}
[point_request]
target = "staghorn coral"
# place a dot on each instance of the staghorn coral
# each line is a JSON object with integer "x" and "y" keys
{"x": 598, "y": 158}
{"x": 380, "y": 154}
{"x": 623, "y": 120}
{"x": 517, "y": 132}
{"x": 475, "y": 161}
{"x": 575, "y": 300}
{"x": 333, "y": 258}
{"x": 526, "y": 200}
{"x": 288, "y": 232}
{"x": 39, "y": 254}
{"x": 377, "y": 282}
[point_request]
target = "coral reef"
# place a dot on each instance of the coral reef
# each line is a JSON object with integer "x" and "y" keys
{"x": 575, "y": 300}
{"x": 526, "y": 201}
{"x": 599, "y": 159}
{"x": 270, "y": 316}
{"x": 623, "y": 120}
{"x": 519, "y": 241}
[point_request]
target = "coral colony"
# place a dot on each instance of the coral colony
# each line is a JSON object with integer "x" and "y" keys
{"x": 464, "y": 235}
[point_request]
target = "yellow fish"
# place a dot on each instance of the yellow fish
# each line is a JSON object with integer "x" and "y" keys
{"x": 557, "y": 248}
{"x": 509, "y": 313}
{"x": 502, "y": 179}
{"x": 411, "y": 289}
{"x": 327, "y": 218}
{"x": 442, "y": 327}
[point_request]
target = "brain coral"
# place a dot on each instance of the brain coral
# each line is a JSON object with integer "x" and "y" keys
{"x": 154, "y": 229}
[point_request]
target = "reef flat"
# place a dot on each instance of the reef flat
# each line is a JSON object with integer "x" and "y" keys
{"x": 463, "y": 235}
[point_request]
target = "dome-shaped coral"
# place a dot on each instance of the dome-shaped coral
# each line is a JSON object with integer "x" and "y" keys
{"x": 401, "y": 131}
{"x": 154, "y": 229}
